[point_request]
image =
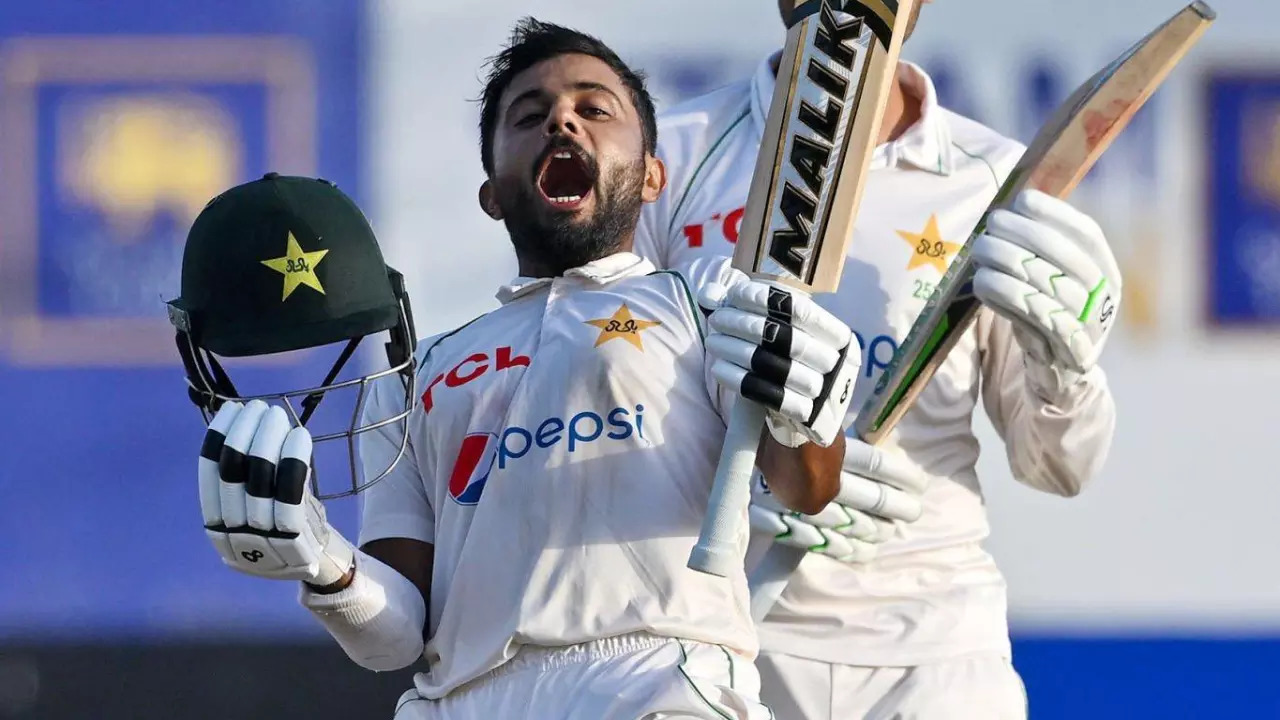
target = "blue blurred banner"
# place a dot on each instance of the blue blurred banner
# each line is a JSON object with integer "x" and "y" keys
{"x": 118, "y": 122}
{"x": 1243, "y": 163}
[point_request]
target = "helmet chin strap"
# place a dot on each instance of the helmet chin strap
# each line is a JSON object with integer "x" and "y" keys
{"x": 403, "y": 337}
{"x": 207, "y": 379}
{"x": 210, "y": 375}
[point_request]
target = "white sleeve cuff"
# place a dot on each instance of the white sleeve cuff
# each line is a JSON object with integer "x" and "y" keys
{"x": 377, "y": 620}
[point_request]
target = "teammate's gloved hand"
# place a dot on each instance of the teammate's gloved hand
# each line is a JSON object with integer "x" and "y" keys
{"x": 258, "y": 509}
{"x": 877, "y": 491}
{"x": 1047, "y": 268}
{"x": 780, "y": 349}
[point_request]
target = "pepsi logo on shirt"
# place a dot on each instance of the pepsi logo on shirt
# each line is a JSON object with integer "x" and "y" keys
{"x": 481, "y": 452}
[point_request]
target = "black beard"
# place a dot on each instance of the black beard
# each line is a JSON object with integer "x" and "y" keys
{"x": 557, "y": 242}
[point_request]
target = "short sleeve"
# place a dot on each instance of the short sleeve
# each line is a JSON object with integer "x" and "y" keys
{"x": 696, "y": 275}
{"x": 396, "y": 506}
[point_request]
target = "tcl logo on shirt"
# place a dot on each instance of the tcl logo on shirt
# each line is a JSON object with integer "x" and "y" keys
{"x": 474, "y": 366}
{"x": 725, "y": 226}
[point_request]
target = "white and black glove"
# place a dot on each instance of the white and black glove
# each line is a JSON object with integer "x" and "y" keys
{"x": 777, "y": 347}
{"x": 258, "y": 509}
{"x": 878, "y": 490}
{"x": 1047, "y": 268}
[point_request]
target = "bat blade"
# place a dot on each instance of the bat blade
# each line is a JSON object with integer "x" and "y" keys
{"x": 1063, "y": 152}
{"x": 1060, "y": 156}
{"x": 834, "y": 79}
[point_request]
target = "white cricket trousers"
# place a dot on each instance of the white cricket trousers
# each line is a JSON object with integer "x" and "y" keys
{"x": 982, "y": 687}
{"x": 630, "y": 677}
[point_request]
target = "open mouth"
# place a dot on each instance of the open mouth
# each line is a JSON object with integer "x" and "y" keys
{"x": 565, "y": 178}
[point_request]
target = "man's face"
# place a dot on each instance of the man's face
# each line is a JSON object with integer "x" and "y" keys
{"x": 786, "y": 6}
{"x": 570, "y": 169}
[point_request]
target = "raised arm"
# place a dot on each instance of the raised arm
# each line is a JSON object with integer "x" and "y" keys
{"x": 1053, "y": 286}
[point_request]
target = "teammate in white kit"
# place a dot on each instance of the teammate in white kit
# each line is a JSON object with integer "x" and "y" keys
{"x": 901, "y": 613}
{"x": 554, "y": 471}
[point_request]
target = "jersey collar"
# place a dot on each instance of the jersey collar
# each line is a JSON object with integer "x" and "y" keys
{"x": 926, "y": 145}
{"x": 598, "y": 272}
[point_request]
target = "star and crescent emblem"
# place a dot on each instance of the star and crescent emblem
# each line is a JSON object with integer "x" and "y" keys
{"x": 622, "y": 325}
{"x": 298, "y": 267}
{"x": 928, "y": 247}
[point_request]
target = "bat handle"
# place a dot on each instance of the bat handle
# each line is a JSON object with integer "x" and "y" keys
{"x": 718, "y": 551}
{"x": 771, "y": 576}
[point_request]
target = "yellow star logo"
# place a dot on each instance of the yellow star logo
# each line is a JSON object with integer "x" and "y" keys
{"x": 929, "y": 247}
{"x": 298, "y": 267}
{"x": 622, "y": 325}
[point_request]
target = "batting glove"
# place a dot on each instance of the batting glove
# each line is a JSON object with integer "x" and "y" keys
{"x": 258, "y": 509}
{"x": 1047, "y": 268}
{"x": 777, "y": 347}
{"x": 878, "y": 490}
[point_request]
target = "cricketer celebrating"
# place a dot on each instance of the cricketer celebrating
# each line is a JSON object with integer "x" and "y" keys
{"x": 901, "y": 613}
{"x": 532, "y": 540}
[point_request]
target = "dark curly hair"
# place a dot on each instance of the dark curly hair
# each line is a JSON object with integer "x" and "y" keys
{"x": 533, "y": 41}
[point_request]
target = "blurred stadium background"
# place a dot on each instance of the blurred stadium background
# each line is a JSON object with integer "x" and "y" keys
{"x": 1156, "y": 594}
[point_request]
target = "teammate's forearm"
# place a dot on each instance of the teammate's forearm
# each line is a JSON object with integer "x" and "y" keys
{"x": 1060, "y": 446}
{"x": 804, "y": 478}
{"x": 1056, "y": 435}
{"x": 377, "y": 619}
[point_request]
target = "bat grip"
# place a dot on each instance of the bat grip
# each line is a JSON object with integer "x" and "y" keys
{"x": 718, "y": 551}
{"x": 771, "y": 576}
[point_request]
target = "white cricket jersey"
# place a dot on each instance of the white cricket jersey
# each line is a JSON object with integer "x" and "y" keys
{"x": 934, "y": 593}
{"x": 560, "y": 460}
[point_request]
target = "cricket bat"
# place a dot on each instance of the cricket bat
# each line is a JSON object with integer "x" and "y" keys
{"x": 1059, "y": 157}
{"x": 834, "y": 80}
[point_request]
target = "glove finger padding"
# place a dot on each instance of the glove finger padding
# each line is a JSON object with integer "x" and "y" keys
{"x": 264, "y": 456}
{"x": 831, "y": 408}
{"x": 767, "y": 520}
{"x": 795, "y": 420}
{"x": 1086, "y": 235}
{"x": 1059, "y": 332}
{"x": 850, "y": 522}
{"x": 845, "y": 521}
{"x": 874, "y": 463}
{"x": 794, "y": 532}
{"x": 796, "y": 310}
{"x": 233, "y": 463}
{"x": 776, "y": 336}
{"x": 210, "y": 478}
{"x": 291, "y": 482}
{"x": 994, "y": 253}
{"x": 777, "y": 347}
{"x": 760, "y": 390}
{"x": 1047, "y": 268}
{"x": 878, "y": 499}
{"x": 210, "y": 454}
{"x": 261, "y": 473}
{"x": 796, "y": 377}
{"x": 1040, "y": 241}
{"x": 292, "y": 506}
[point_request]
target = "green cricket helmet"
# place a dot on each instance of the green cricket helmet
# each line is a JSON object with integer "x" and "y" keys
{"x": 283, "y": 264}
